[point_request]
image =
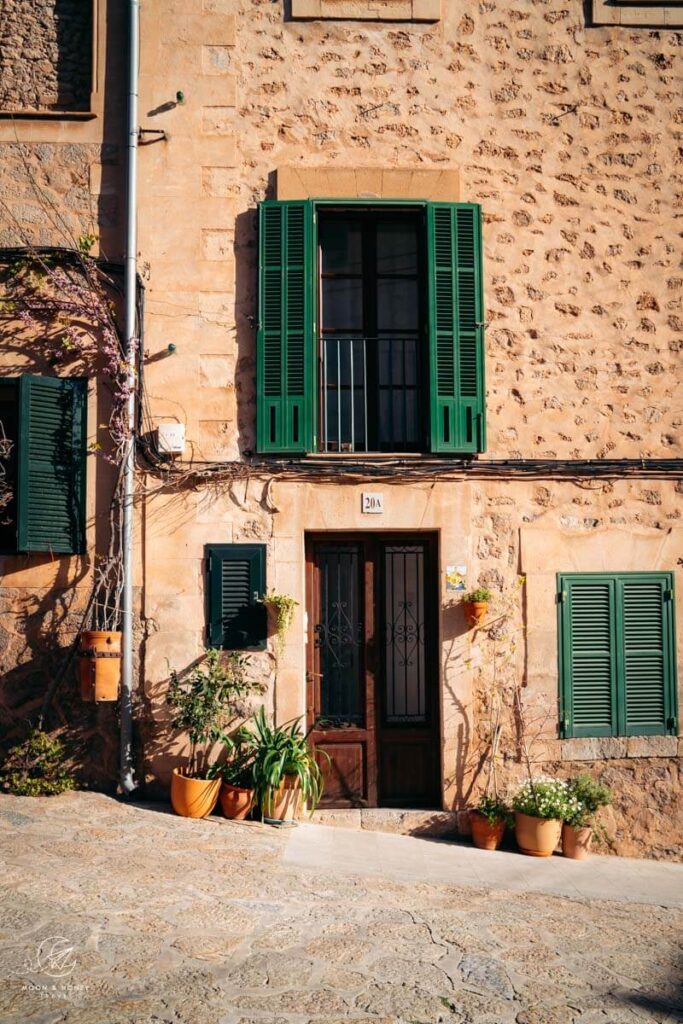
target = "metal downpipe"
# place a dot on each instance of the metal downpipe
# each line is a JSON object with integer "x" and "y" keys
{"x": 127, "y": 780}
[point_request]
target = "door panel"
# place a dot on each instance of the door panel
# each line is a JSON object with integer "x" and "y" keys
{"x": 373, "y": 668}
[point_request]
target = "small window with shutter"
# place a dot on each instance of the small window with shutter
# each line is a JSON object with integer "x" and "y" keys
{"x": 371, "y": 327}
{"x": 42, "y": 464}
{"x": 617, "y": 654}
{"x": 236, "y": 586}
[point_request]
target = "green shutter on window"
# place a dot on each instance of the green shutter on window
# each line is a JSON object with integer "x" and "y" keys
{"x": 51, "y": 464}
{"x": 646, "y": 605}
{"x": 456, "y": 329}
{"x": 616, "y": 652}
{"x": 236, "y": 586}
{"x": 286, "y": 347}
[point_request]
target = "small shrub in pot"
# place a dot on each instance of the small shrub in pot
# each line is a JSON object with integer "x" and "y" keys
{"x": 489, "y": 820}
{"x": 585, "y": 796}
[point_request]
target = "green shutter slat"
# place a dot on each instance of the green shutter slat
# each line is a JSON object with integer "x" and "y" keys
{"x": 617, "y": 654}
{"x": 236, "y": 583}
{"x": 646, "y": 668}
{"x": 286, "y": 344}
{"x": 51, "y": 464}
{"x": 457, "y": 399}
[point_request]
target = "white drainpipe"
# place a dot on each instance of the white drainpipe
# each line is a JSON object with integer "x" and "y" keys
{"x": 127, "y": 778}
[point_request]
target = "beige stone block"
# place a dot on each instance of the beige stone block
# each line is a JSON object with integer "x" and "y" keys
{"x": 175, "y": 576}
{"x": 177, "y": 649}
{"x": 599, "y": 749}
{"x": 219, "y": 6}
{"x": 673, "y": 17}
{"x": 194, "y": 29}
{"x": 217, "y": 244}
{"x": 652, "y": 746}
{"x": 216, "y": 60}
{"x": 44, "y": 572}
{"x": 218, "y": 181}
{"x": 369, "y": 183}
{"x": 290, "y": 695}
{"x": 306, "y": 8}
{"x": 217, "y": 439}
{"x": 604, "y": 14}
{"x": 217, "y": 371}
{"x": 218, "y": 120}
{"x": 427, "y": 10}
{"x": 348, "y": 817}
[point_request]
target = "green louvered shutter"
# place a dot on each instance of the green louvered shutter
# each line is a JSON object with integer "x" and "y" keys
{"x": 286, "y": 335}
{"x": 238, "y": 619}
{"x": 648, "y": 692}
{"x": 456, "y": 329}
{"x": 51, "y": 464}
{"x": 588, "y": 656}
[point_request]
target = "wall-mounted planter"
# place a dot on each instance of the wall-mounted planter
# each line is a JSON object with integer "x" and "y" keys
{"x": 475, "y": 611}
{"x": 99, "y": 665}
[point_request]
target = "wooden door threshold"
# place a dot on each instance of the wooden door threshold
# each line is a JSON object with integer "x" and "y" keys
{"x": 400, "y": 821}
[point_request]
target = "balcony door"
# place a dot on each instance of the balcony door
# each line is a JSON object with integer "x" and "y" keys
{"x": 373, "y": 669}
{"x": 373, "y": 351}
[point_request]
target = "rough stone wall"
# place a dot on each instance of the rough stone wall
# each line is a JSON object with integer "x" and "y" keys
{"x": 570, "y": 138}
{"x": 45, "y": 55}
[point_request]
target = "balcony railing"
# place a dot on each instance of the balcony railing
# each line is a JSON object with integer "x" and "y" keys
{"x": 370, "y": 394}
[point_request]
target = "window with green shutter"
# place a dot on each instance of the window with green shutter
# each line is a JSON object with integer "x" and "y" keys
{"x": 45, "y": 467}
{"x": 236, "y": 585}
{"x": 617, "y": 654}
{"x": 371, "y": 327}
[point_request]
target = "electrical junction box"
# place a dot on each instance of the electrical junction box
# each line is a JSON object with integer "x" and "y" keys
{"x": 171, "y": 438}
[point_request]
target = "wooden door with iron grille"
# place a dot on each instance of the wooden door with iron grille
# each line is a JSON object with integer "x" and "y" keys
{"x": 373, "y": 669}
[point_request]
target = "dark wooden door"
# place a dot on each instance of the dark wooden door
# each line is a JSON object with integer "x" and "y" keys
{"x": 373, "y": 668}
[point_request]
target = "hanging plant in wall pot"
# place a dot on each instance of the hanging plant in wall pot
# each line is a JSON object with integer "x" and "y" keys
{"x": 281, "y": 607}
{"x": 476, "y": 605}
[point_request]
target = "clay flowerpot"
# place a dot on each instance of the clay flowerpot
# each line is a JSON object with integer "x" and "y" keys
{"x": 283, "y": 805}
{"x": 576, "y": 842}
{"x": 236, "y": 802}
{"x": 193, "y": 798}
{"x": 99, "y": 665}
{"x": 537, "y": 837}
{"x": 484, "y": 835}
{"x": 475, "y": 611}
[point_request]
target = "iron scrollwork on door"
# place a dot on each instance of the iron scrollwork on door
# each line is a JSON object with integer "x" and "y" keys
{"x": 339, "y": 637}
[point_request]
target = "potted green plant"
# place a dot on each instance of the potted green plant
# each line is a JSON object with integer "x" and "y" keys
{"x": 488, "y": 821}
{"x": 585, "y": 796}
{"x": 204, "y": 702}
{"x": 540, "y": 807}
{"x": 282, "y": 606}
{"x": 236, "y": 773}
{"x": 476, "y": 604}
{"x": 285, "y": 772}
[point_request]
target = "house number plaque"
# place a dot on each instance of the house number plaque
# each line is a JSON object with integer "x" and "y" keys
{"x": 372, "y": 502}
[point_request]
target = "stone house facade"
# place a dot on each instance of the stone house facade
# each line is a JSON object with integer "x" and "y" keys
{"x": 443, "y": 354}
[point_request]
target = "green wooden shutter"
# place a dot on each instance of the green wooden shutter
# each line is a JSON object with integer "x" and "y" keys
{"x": 648, "y": 692}
{"x": 286, "y": 346}
{"x": 236, "y": 585}
{"x": 588, "y": 659}
{"x": 51, "y": 464}
{"x": 456, "y": 330}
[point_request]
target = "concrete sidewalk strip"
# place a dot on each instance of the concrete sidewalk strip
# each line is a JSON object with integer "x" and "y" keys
{"x": 407, "y": 858}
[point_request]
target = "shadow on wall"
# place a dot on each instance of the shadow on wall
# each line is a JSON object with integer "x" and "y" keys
{"x": 246, "y": 322}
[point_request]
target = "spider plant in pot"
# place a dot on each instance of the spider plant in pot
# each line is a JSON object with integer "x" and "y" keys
{"x": 489, "y": 820}
{"x": 205, "y": 701}
{"x": 236, "y": 774}
{"x": 286, "y": 773}
{"x": 476, "y": 604}
{"x": 585, "y": 796}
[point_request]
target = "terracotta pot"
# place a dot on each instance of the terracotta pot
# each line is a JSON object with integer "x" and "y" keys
{"x": 193, "y": 798}
{"x": 537, "y": 837}
{"x": 576, "y": 842}
{"x": 236, "y": 802}
{"x": 283, "y": 805}
{"x": 475, "y": 611}
{"x": 485, "y": 836}
{"x": 99, "y": 665}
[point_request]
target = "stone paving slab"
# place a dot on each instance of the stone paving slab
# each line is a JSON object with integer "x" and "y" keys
{"x": 115, "y": 913}
{"x": 624, "y": 879}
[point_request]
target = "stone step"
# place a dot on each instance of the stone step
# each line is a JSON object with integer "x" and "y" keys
{"x": 389, "y": 819}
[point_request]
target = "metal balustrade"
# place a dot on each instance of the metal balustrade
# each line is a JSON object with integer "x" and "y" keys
{"x": 370, "y": 394}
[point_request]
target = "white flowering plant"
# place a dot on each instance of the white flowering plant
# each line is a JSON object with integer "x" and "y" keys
{"x": 544, "y": 798}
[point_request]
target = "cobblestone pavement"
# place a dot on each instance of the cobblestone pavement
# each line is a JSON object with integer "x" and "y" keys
{"x": 125, "y": 914}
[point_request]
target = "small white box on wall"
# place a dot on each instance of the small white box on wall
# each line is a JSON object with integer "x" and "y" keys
{"x": 171, "y": 438}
